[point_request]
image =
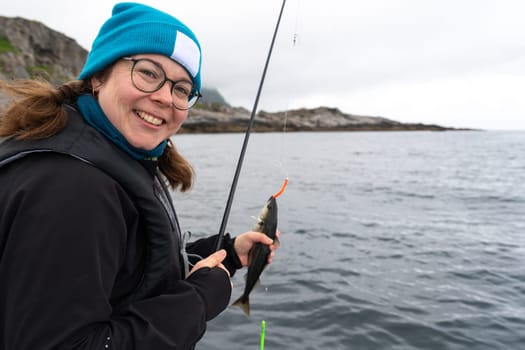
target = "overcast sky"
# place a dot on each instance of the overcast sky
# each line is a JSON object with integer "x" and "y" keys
{"x": 457, "y": 63}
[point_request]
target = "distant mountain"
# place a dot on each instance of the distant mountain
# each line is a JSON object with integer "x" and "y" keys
{"x": 30, "y": 49}
{"x": 211, "y": 95}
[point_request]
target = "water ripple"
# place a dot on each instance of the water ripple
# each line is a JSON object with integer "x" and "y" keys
{"x": 395, "y": 241}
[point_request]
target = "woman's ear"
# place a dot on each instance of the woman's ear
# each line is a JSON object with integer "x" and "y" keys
{"x": 95, "y": 84}
{"x": 98, "y": 79}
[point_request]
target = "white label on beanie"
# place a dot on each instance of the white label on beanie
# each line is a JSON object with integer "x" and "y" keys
{"x": 187, "y": 53}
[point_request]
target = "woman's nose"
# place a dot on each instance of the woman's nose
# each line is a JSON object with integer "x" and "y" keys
{"x": 163, "y": 95}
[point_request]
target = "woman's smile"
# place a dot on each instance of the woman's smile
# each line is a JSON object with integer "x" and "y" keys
{"x": 150, "y": 118}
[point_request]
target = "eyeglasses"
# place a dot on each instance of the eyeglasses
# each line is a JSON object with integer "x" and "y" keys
{"x": 148, "y": 76}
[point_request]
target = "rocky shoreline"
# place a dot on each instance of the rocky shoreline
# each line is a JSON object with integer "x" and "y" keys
{"x": 208, "y": 118}
{"x": 29, "y": 49}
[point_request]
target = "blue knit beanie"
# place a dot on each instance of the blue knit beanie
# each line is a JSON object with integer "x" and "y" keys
{"x": 139, "y": 29}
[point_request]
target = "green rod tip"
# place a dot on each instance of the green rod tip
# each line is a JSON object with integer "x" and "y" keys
{"x": 263, "y": 330}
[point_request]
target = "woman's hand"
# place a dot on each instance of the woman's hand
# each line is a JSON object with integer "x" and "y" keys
{"x": 245, "y": 241}
{"x": 213, "y": 260}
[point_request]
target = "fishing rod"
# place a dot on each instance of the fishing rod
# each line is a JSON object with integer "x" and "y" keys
{"x": 246, "y": 138}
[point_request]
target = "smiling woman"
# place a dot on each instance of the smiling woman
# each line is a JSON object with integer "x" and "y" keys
{"x": 112, "y": 270}
{"x": 146, "y": 119}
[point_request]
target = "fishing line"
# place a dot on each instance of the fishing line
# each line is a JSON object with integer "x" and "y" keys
{"x": 295, "y": 41}
{"x": 282, "y": 153}
{"x": 246, "y": 139}
{"x": 296, "y": 31}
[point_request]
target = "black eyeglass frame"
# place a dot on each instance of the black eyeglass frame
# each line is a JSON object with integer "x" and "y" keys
{"x": 194, "y": 96}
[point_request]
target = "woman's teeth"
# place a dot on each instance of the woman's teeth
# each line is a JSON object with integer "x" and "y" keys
{"x": 149, "y": 118}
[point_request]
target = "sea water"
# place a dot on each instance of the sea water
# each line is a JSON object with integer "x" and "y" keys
{"x": 389, "y": 240}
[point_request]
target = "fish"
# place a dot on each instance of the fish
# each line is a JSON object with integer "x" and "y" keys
{"x": 258, "y": 255}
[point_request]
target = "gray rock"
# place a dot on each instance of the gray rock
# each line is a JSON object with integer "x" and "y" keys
{"x": 38, "y": 51}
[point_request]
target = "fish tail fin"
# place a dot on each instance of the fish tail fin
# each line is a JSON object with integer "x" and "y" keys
{"x": 244, "y": 303}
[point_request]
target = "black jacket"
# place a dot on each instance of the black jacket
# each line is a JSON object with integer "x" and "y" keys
{"x": 78, "y": 266}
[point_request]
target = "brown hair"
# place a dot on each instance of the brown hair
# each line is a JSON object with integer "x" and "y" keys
{"x": 37, "y": 112}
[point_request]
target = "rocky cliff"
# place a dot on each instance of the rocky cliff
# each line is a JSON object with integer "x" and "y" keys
{"x": 29, "y": 49}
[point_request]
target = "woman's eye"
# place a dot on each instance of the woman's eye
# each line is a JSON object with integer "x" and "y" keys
{"x": 149, "y": 74}
{"x": 182, "y": 90}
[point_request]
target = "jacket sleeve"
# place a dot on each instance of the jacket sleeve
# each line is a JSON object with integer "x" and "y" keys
{"x": 64, "y": 240}
{"x": 206, "y": 246}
